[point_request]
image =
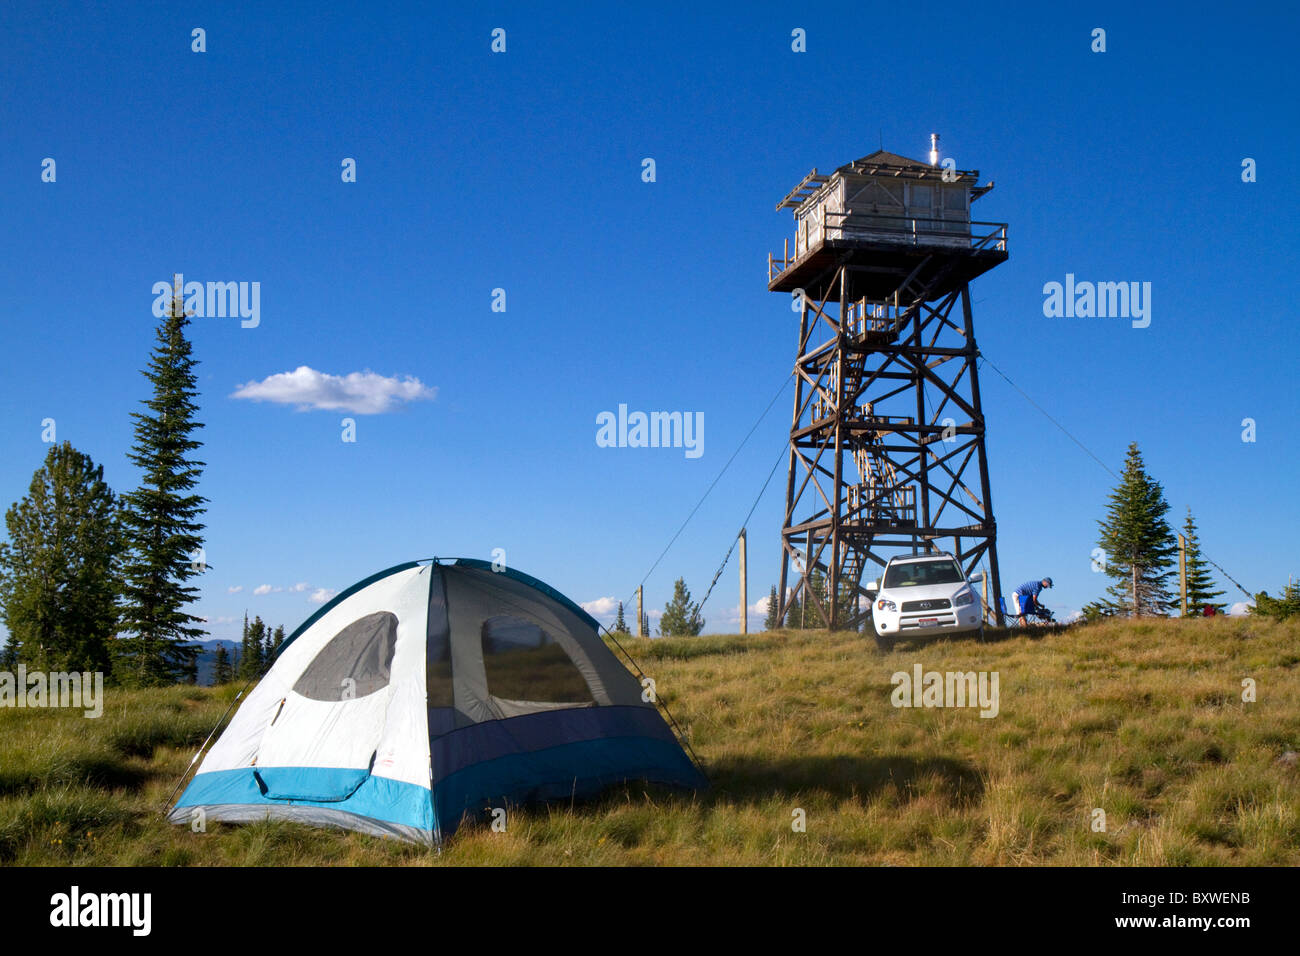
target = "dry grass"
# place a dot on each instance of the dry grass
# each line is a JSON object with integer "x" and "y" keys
{"x": 1144, "y": 721}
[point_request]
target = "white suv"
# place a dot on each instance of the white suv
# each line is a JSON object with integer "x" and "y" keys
{"x": 924, "y": 594}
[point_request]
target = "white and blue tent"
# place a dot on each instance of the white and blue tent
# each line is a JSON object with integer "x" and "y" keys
{"x": 427, "y": 692}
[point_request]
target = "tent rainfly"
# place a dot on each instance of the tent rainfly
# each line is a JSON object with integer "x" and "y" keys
{"x": 427, "y": 692}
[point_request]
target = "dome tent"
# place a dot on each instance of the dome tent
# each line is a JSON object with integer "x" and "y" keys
{"x": 427, "y": 691}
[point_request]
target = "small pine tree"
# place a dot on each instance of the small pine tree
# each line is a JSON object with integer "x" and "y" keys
{"x": 846, "y": 606}
{"x": 811, "y": 613}
{"x": 275, "y": 640}
{"x": 769, "y": 623}
{"x": 242, "y": 664}
{"x": 681, "y": 618}
{"x": 620, "y": 625}
{"x": 256, "y": 647}
{"x": 1200, "y": 583}
{"x": 222, "y": 673}
{"x": 1288, "y": 605}
{"x": 1140, "y": 546}
{"x": 1097, "y": 611}
{"x": 645, "y": 624}
{"x": 253, "y": 649}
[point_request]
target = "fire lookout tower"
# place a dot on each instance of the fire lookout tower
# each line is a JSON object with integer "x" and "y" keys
{"x": 887, "y": 439}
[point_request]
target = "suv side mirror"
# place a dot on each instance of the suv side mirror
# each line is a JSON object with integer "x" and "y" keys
{"x": 977, "y": 576}
{"x": 873, "y": 586}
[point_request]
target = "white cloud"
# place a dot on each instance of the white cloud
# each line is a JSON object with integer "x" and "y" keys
{"x": 757, "y": 611}
{"x": 265, "y": 589}
{"x": 299, "y": 587}
{"x": 602, "y": 607}
{"x": 235, "y": 590}
{"x": 321, "y": 595}
{"x": 1241, "y": 607}
{"x": 365, "y": 393}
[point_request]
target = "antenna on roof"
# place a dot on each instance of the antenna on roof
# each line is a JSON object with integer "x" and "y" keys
{"x": 934, "y": 149}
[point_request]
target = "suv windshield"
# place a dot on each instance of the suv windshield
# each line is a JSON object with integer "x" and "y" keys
{"x": 923, "y": 573}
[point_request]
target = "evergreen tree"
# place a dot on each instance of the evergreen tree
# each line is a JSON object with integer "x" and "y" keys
{"x": 1288, "y": 605}
{"x": 769, "y": 623}
{"x": 681, "y": 617}
{"x": 620, "y": 625}
{"x": 60, "y": 569}
{"x": 241, "y": 665}
{"x": 794, "y": 614}
{"x": 222, "y": 672}
{"x": 1140, "y": 546}
{"x": 9, "y": 656}
{"x": 161, "y": 517}
{"x": 254, "y": 649}
{"x": 276, "y": 640}
{"x": 645, "y": 624}
{"x": 1096, "y": 611}
{"x": 1200, "y": 583}
{"x": 811, "y": 612}
{"x": 847, "y": 604}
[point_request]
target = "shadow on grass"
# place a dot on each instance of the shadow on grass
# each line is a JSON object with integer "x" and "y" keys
{"x": 755, "y": 779}
{"x": 992, "y": 635}
{"x": 1034, "y": 632}
{"x": 95, "y": 770}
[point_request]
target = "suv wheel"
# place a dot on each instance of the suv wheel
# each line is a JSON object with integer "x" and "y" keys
{"x": 884, "y": 641}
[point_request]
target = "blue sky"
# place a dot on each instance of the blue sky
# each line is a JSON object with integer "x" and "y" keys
{"x": 522, "y": 171}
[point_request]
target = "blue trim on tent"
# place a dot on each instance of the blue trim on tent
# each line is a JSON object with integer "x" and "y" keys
{"x": 342, "y": 596}
{"x": 535, "y": 583}
{"x": 313, "y": 784}
{"x": 379, "y": 798}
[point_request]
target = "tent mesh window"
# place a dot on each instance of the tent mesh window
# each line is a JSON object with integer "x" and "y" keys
{"x": 356, "y": 662}
{"x": 524, "y": 663}
{"x": 439, "y": 687}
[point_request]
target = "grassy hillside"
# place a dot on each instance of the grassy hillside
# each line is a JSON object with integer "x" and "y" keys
{"x": 1142, "y": 720}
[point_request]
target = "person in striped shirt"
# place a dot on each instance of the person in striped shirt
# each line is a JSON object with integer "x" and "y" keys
{"x": 1025, "y": 597}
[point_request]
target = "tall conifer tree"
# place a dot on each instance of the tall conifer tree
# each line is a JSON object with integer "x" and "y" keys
{"x": 1200, "y": 583}
{"x": 161, "y": 518}
{"x": 1140, "y": 547}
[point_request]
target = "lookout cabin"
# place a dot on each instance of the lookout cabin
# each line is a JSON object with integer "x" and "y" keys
{"x": 889, "y": 215}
